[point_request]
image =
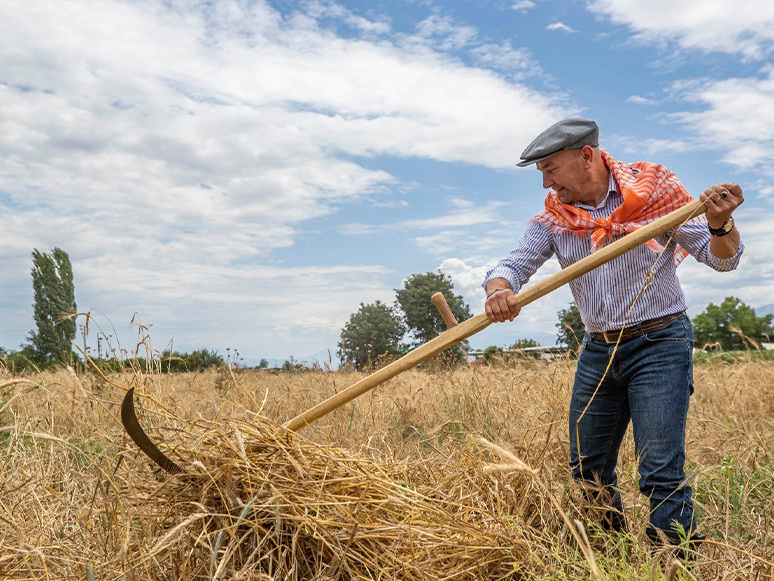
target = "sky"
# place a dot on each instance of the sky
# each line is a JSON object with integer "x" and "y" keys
{"x": 242, "y": 175}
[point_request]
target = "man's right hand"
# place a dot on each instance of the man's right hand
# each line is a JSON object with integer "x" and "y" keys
{"x": 502, "y": 306}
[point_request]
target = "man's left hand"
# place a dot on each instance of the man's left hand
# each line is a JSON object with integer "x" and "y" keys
{"x": 721, "y": 200}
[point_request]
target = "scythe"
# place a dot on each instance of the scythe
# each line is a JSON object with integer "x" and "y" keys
{"x": 449, "y": 338}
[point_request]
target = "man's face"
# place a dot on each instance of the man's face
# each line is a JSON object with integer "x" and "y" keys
{"x": 564, "y": 172}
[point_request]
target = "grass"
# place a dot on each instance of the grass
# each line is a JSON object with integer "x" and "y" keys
{"x": 78, "y": 501}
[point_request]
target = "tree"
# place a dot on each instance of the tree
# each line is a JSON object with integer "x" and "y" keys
{"x": 493, "y": 351}
{"x": 420, "y": 316}
{"x": 263, "y": 364}
{"x": 524, "y": 344}
{"x": 54, "y": 291}
{"x": 722, "y": 325}
{"x": 570, "y": 328}
{"x": 197, "y": 360}
{"x": 374, "y": 331}
{"x": 291, "y": 365}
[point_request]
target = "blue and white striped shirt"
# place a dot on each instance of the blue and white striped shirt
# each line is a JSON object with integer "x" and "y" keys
{"x": 605, "y": 294}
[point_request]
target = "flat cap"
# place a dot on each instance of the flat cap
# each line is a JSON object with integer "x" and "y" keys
{"x": 572, "y": 133}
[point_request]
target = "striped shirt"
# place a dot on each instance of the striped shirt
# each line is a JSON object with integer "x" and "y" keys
{"x": 605, "y": 295}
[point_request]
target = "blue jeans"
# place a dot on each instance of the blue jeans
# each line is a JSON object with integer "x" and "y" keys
{"x": 649, "y": 382}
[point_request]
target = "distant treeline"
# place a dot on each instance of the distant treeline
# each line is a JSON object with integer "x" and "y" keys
{"x": 168, "y": 361}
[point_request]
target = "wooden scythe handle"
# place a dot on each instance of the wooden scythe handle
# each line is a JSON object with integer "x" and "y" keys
{"x": 480, "y": 322}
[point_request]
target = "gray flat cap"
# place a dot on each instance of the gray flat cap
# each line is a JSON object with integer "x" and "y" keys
{"x": 572, "y": 133}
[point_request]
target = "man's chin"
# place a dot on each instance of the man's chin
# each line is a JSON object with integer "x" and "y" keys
{"x": 564, "y": 196}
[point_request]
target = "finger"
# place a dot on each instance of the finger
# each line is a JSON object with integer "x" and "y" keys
{"x": 729, "y": 196}
{"x": 492, "y": 310}
{"x": 735, "y": 191}
{"x": 504, "y": 309}
{"x": 513, "y": 307}
{"x": 712, "y": 195}
{"x": 720, "y": 191}
{"x": 488, "y": 311}
{"x": 496, "y": 311}
{"x": 727, "y": 190}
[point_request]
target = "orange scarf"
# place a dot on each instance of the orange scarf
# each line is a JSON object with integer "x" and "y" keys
{"x": 649, "y": 191}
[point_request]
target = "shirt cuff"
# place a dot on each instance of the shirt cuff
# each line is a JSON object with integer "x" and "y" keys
{"x": 502, "y": 272}
{"x": 725, "y": 264}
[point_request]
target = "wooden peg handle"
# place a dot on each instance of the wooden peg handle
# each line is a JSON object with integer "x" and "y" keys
{"x": 443, "y": 308}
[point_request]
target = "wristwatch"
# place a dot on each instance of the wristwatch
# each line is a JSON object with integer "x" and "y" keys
{"x": 497, "y": 290}
{"x": 724, "y": 229}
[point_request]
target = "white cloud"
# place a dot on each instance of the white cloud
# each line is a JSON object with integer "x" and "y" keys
{"x": 166, "y": 145}
{"x": 467, "y": 278}
{"x": 744, "y": 28}
{"x": 446, "y": 33}
{"x": 439, "y": 244}
{"x": 450, "y": 242}
{"x": 465, "y": 214}
{"x": 764, "y": 188}
{"x": 638, "y": 100}
{"x": 503, "y": 57}
{"x": 462, "y": 203}
{"x": 491, "y": 212}
{"x": 560, "y": 26}
{"x": 217, "y": 304}
{"x": 391, "y": 204}
{"x": 338, "y": 12}
{"x": 667, "y": 145}
{"x": 523, "y": 5}
{"x": 737, "y": 118}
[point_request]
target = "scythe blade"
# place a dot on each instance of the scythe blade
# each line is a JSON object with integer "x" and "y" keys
{"x": 138, "y": 435}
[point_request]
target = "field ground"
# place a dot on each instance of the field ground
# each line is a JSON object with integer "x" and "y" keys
{"x": 78, "y": 501}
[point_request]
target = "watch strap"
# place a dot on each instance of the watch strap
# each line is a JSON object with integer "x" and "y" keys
{"x": 727, "y": 226}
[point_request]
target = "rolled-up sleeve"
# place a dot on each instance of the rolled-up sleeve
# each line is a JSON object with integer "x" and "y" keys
{"x": 533, "y": 249}
{"x": 694, "y": 236}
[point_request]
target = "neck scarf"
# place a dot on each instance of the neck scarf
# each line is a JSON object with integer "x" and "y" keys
{"x": 649, "y": 191}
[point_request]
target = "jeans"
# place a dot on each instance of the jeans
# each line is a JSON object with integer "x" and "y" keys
{"x": 649, "y": 382}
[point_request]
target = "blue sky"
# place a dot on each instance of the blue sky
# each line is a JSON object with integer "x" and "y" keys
{"x": 245, "y": 174}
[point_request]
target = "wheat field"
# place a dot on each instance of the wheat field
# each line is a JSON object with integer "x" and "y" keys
{"x": 394, "y": 485}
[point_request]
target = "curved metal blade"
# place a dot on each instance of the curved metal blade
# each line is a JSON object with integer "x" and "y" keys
{"x": 138, "y": 435}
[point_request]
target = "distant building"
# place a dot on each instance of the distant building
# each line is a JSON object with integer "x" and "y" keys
{"x": 545, "y": 352}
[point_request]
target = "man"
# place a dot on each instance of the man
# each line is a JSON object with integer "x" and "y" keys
{"x": 632, "y": 307}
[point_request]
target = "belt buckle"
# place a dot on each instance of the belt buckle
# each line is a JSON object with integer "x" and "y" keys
{"x": 614, "y": 333}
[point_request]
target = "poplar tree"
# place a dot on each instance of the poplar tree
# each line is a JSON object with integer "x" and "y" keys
{"x": 54, "y": 292}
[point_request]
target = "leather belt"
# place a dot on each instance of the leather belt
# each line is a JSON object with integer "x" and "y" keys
{"x": 637, "y": 329}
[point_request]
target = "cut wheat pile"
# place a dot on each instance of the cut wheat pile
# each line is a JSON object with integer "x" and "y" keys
{"x": 390, "y": 487}
{"x": 260, "y": 501}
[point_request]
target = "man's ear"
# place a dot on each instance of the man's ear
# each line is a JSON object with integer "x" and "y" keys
{"x": 587, "y": 156}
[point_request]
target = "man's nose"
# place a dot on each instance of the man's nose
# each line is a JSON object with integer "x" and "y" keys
{"x": 547, "y": 181}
